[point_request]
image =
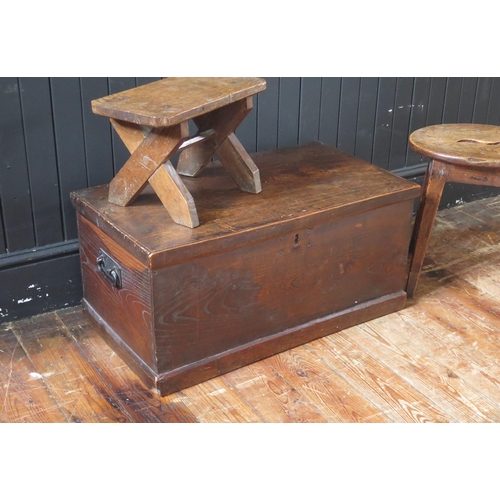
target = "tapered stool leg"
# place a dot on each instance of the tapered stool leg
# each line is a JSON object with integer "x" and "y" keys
{"x": 430, "y": 197}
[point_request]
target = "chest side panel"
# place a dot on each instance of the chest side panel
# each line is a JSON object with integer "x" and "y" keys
{"x": 126, "y": 309}
{"x": 224, "y": 300}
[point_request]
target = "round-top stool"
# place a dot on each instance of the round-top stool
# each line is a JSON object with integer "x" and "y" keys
{"x": 460, "y": 152}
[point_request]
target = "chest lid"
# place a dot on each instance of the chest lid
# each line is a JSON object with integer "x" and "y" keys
{"x": 301, "y": 187}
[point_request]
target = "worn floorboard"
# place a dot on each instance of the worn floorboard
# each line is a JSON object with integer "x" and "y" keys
{"x": 437, "y": 360}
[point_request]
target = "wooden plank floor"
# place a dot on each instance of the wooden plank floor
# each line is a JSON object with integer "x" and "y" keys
{"x": 438, "y": 360}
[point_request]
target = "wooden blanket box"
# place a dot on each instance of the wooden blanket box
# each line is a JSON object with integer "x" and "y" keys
{"x": 323, "y": 247}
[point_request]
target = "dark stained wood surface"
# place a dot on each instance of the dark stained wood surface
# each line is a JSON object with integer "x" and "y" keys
{"x": 436, "y": 360}
{"x": 275, "y": 285}
{"x": 166, "y": 102}
{"x": 268, "y": 283}
{"x": 128, "y": 308}
{"x": 430, "y": 197}
{"x": 266, "y": 346}
{"x": 329, "y": 188}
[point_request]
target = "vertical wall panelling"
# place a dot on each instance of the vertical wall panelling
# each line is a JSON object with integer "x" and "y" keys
{"x": 452, "y": 100}
{"x": 310, "y": 103}
{"x": 383, "y": 121}
{"x": 348, "y": 116}
{"x": 493, "y": 115}
{"x": 288, "y": 112}
{"x": 267, "y": 116}
{"x": 68, "y": 123}
{"x": 14, "y": 178}
{"x": 142, "y": 80}
{"x": 120, "y": 152}
{"x": 467, "y": 100}
{"x": 418, "y": 115}
{"x": 247, "y": 131}
{"x": 437, "y": 94}
{"x": 97, "y": 133}
{"x": 482, "y": 101}
{"x": 366, "y": 118}
{"x": 330, "y": 109}
{"x": 42, "y": 162}
{"x": 401, "y": 123}
{"x": 3, "y": 246}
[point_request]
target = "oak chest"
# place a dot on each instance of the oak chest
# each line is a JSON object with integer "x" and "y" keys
{"x": 323, "y": 247}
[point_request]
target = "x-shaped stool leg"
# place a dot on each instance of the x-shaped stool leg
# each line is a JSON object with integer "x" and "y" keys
{"x": 225, "y": 145}
{"x": 151, "y": 150}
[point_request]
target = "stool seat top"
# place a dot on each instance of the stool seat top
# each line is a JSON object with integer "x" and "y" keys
{"x": 459, "y": 143}
{"x": 172, "y": 100}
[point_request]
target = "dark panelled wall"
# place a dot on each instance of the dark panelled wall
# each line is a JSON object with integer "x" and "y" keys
{"x": 52, "y": 144}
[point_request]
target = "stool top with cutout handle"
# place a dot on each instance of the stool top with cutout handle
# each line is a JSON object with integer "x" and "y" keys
{"x": 466, "y": 153}
{"x": 467, "y": 144}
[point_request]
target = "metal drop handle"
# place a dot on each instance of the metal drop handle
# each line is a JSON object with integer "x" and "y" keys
{"x": 109, "y": 268}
